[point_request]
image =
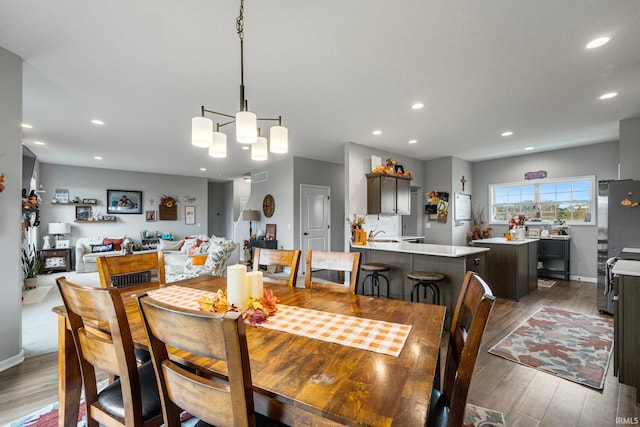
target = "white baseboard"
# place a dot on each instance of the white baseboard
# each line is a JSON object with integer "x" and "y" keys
{"x": 584, "y": 279}
{"x": 12, "y": 361}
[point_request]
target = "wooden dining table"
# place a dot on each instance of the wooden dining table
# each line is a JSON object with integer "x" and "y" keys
{"x": 300, "y": 380}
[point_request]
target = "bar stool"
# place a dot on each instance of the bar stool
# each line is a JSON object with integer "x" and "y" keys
{"x": 373, "y": 271}
{"x": 427, "y": 280}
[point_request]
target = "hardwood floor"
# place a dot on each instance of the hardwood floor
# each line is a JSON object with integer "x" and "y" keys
{"x": 527, "y": 397}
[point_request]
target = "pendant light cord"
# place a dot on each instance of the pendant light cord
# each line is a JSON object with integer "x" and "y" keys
{"x": 240, "y": 31}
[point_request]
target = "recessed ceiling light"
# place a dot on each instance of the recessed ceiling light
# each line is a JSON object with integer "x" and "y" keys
{"x": 97, "y": 157}
{"x": 245, "y": 147}
{"x": 97, "y": 122}
{"x": 609, "y": 95}
{"x": 600, "y": 41}
{"x": 203, "y": 169}
{"x": 377, "y": 132}
{"x": 417, "y": 105}
{"x": 507, "y": 133}
{"x": 38, "y": 143}
{"x": 26, "y": 126}
{"x": 413, "y": 141}
{"x": 528, "y": 148}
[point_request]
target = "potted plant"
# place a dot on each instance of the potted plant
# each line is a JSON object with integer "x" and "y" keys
{"x": 30, "y": 266}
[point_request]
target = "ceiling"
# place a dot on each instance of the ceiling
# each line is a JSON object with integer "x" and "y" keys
{"x": 334, "y": 70}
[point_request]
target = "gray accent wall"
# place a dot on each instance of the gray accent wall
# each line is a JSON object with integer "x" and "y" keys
{"x": 600, "y": 160}
{"x": 630, "y": 148}
{"x": 93, "y": 183}
{"x": 11, "y": 352}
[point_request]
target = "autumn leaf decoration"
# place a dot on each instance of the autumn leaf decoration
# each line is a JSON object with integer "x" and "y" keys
{"x": 257, "y": 312}
{"x": 168, "y": 201}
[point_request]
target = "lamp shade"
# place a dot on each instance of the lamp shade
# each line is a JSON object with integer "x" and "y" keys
{"x": 201, "y": 132}
{"x": 259, "y": 150}
{"x": 279, "y": 138}
{"x": 250, "y": 215}
{"x": 246, "y": 127}
{"x": 59, "y": 228}
{"x": 218, "y": 147}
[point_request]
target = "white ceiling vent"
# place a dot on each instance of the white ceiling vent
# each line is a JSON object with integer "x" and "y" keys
{"x": 259, "y": 177}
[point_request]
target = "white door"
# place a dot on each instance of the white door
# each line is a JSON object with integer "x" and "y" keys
{"x": 315, "y": 213}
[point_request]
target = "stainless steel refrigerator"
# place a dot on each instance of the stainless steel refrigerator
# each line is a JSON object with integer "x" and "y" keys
{"x": 618, "y": 228}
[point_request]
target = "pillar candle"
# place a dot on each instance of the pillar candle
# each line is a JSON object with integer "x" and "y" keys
{"x": 257, "y": 287}
{"x": 237, "y": 292}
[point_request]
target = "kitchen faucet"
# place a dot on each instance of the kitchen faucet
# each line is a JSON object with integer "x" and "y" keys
{"x": 373, "y": 235}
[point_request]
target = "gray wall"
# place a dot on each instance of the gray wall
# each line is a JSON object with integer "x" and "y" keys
{"x": 630, "y": 148}
{"x": 600, "y": 160}
{"x": 437, "y": 176}
{"x": 10, "y": 209}
{"x": 93, "y": 183}
{"x": 313, "y": 172}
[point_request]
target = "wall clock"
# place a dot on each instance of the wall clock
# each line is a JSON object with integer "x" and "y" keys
{"x": 268, "y": 205}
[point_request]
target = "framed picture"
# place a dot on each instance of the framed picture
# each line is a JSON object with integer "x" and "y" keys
{"x": 124, "y": 202}
{"x": 62, "y": 195}
{"x": 189, "y": 215}
{"x": 376, "y": 161}
{"x": 151, "y": 216}
{"x": 399, "y": 169}
{"x": 270, "y": 233}
{"x": 83, "y": 213}
{"x": 62, "y": 244}
{"x": 534, "y": 232}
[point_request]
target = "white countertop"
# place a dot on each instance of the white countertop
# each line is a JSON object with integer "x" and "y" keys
{"x": 422, "y": 248}
{"x": 631, "y": 250}
{"x": 626, "y": 267}
{"x": 503, "y": 241}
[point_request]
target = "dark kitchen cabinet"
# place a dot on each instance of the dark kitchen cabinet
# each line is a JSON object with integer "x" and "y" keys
{"x": 553, "y": 258}
{"x": 388, "y": 194}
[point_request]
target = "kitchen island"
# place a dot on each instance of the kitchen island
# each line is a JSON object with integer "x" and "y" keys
{"x": 403, "y": 257}
{"x": 512, "y": 266}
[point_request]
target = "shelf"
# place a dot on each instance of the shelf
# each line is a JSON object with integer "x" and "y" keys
{"x": 95, "y": 220}
{"x": 75, "y": 204}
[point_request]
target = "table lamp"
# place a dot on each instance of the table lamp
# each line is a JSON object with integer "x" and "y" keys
{"x": 59, "y": 229}
{"x": 250, "y": 215}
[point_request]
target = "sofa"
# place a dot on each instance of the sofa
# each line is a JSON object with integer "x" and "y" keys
{"x": 190, "y": 257}
{"x": 197, "y": 255}
{"x": 90, "y": 248}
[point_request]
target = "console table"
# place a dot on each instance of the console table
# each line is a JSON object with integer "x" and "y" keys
{"x": 55, "y": 260}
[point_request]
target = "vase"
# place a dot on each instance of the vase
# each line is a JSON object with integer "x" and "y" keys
{"x": 30, "y": 282}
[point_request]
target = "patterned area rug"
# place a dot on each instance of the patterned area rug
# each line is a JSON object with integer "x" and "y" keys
{"x": 474, "y": 416}
{"x": 573, "y": 346}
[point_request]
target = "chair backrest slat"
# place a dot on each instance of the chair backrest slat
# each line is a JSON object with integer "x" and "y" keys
{"x": 130, "y": 270}
{"x": 282, "y": 258}
{"x": 467, "y": 328}
{"x": 346, "y": 262}
{"x": 210, "y": 336}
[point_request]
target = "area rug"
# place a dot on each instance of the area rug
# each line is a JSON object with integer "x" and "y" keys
{"x": 544, "y": 283}
{"x": 573, "y": 346}
{"x": 474, "y": 416}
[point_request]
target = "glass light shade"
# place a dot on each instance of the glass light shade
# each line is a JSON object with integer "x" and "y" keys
{"x": 259, "y": 150}
{"x": 246, "y": 127}
{"x": 279, "y": 137}
{"x": 59, "y": 228}
{"x": 218, "y": 147}
{"x": 201, "y": 132}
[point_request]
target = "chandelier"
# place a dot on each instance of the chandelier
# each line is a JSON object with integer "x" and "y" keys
{"x": 247, "y": 132}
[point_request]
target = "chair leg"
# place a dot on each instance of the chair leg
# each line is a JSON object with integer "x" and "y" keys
{"x": 387, "y": 280}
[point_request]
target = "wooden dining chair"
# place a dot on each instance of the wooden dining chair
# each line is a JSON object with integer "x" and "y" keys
{"x": 131, "y": 270}
{"x": 467, "y": 328}
{"x": 281, "y": 258}
{"x": 102, "y": 337}
{"x": 212, "y": 337}
{"x": 342, "y": 262}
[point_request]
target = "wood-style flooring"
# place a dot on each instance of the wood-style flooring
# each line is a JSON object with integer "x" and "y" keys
{"x": 527, "y": 397}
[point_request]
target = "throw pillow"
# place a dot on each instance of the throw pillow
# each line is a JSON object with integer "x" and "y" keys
{"x": 117, "y": 243}
{"x": 198, "y": 259}
{"x": 170, "y": 245}
{"x": 101, "y": 248}
{"x": 188, "y": 244}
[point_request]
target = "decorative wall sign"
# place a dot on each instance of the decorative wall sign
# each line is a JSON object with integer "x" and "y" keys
{"x": 535, "y": 175}
{"x": 441, "y": 200}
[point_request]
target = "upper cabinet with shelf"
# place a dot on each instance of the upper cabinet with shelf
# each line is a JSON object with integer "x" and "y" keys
{"x": 388, "y": 194}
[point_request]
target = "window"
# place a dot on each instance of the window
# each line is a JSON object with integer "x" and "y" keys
{"x": 568, "y": 199}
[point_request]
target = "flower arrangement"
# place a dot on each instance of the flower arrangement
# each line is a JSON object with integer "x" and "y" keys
{"x": 517, "y": 220}
{"x": 168, "y": 201}
{"x": 391, "y": 169}
{"x": 357, "y": 221}
{"x": 257, "y": 311}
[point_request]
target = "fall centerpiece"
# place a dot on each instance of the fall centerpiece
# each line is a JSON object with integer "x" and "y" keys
{"x": 168, "y": 207}
{"x": 256, "y": 312}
